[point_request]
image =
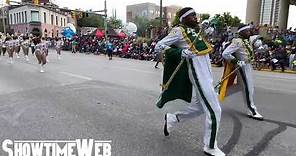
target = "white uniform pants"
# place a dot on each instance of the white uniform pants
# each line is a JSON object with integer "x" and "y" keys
{"x": 205, "y": 100}
{"x": 245, "y": 78}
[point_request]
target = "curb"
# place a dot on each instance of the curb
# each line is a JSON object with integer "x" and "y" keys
{"x": 278, "y": 71}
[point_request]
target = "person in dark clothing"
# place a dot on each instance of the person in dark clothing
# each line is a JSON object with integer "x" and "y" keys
{"x": 109, "y": 47}
{"x": 281, "y": 55}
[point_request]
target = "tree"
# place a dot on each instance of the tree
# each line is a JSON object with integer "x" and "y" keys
{"x": 204, "y": 17}
{"x": 236, "y": 21}
{"x": 155, "y": 22}
{"x": 142, "y": 24}
{"x": 91, "y": 21}
{"x": 229, "y": 20}
{"x": 114, "y": 23}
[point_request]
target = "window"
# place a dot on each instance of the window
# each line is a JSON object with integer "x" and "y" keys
{"x": 14, "y": 15}
{"x": 144, "y": 13}
{"x": 25, "y": 16}
{"x": 57, "y": 21}
{"x": 51, "y": 20}
{"x": 11, "y": 19}
{"x": 61, "y": 21}
{"x": 35, "y": 16}
{"x": 23, "y": 20}
{"x": 64, "y": 22}
{"x": 44, "y": 17}
{"x": 169, "y": 15}
{"x": 152, "y": 12}
{"x": 17, "y": 18}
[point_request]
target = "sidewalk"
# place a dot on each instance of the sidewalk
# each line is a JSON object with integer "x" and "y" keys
{"x": 288, "y": 71}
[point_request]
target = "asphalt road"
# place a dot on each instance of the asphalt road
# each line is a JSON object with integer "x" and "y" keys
{"x": 87, "y": 96}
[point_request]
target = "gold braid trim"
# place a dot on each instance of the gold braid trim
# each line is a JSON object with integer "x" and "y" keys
{"x": 192, "y": 47}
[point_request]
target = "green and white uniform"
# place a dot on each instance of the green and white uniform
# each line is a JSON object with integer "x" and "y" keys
{"x": 241, "y": 50}
{"x": 200, "y": 76}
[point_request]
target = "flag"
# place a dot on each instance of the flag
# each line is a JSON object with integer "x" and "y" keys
{"x": 180, "y": 87}
{"x": 228, "y": 68}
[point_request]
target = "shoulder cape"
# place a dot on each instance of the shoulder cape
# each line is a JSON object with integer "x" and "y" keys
{"x": 180, "y": 87}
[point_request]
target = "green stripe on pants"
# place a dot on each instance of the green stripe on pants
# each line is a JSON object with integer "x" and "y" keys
{"x": 212, "y": 113}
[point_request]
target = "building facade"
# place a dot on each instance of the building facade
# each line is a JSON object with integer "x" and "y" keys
{"x": 32, "y": 1}
{"x": 150, "y": 11}
{"x": 29, "y": 18}
{"x": 4, "y": 18}
{"x": 147, "y": 10}
{"x": 269, "y": 12}
{"x": 170, "y": 13}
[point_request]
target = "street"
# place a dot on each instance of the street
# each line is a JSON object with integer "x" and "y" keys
{"x": 89, "y": 96}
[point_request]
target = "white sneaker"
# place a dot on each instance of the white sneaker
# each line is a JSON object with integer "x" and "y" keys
{"x": 256, "y": 116}
{"x": 170, "y": 121}
{"x": 27, "y": 58}
{"x": 17, "y": 56}
{"x": 41, "y": 69}
{"x": 10, "y": 61}
{"x": 213, "y": 152}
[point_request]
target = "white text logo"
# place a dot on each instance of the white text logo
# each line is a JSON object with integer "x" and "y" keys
{"x": 78, "y": 147}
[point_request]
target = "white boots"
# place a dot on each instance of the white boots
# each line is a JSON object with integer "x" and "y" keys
{"x": 41, "y": 68}
{"x": 213, "y": 152}
{"x": 17, "y": 55}
{"x": 10, "y": 61}
{"x": 170, "y": 121}
{"x": 27, "y": 58}
{"x": 256, "y": 116}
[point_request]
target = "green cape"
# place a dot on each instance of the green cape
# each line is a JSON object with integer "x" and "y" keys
{"x": 180, "y": 87}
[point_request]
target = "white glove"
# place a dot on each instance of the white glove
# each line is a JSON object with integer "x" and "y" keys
{"x": 241, "y": 63}
{"x": 186, "y": 53}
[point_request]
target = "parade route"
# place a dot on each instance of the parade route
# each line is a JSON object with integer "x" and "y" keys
{"x": 89, "y": 96}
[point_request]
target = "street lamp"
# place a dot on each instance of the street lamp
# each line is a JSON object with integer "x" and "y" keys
{"x": 3, "y": 17}
{"x": 160, "y": 13}
{"x": 105, "y": 15}
{"x": 105, "y": 22}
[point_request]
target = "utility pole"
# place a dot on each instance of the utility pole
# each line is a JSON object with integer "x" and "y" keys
{"x": 161, "y": 20}
{"x": 3, "y": 19}
{"x": 105, "y": 21}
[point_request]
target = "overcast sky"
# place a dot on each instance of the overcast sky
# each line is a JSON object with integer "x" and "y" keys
{"x": 235, "y": 7}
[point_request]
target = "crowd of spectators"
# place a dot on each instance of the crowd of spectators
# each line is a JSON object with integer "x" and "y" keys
{"x": 125, "y": 48}
{"x": 278, "y": 50}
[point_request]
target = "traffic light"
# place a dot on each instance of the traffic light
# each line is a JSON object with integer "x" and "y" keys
{"x": 73, "y": 14}
{"x": 36, "y": 2}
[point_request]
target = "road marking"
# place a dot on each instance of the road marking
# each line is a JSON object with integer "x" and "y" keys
{"x": 133, "y": 69}
{"x": 77, "y": 76}
{"x": 276, "y": 77}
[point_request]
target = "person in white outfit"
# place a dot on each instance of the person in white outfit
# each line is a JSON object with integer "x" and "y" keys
{"x": 25, "y": 46}
{"x": 58, "y": 46}
{"x": 40, "y": 53}
{"x": 240, "y": 53}
{"x": 9, "y": 44}
{"x": 195, "y": 50}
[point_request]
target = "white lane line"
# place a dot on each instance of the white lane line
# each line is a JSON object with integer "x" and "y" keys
{"x": 276, "y": 77}
{"x": 77, "y": 76}
{"x": 133, "y": 69}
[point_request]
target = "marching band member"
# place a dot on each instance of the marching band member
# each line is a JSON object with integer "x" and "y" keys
{"x": 184, "y": 41}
